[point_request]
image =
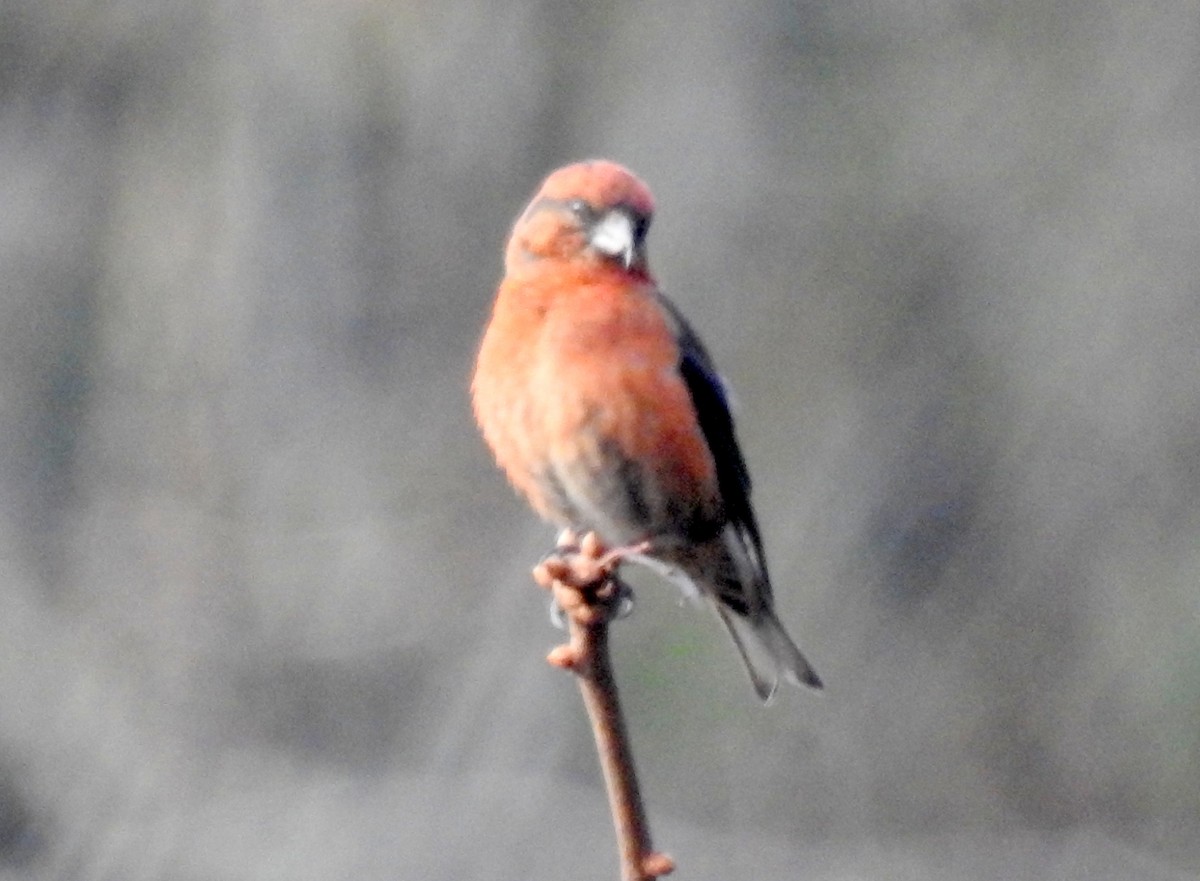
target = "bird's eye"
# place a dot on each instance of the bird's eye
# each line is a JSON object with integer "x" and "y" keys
{"x": 580, "y": 209}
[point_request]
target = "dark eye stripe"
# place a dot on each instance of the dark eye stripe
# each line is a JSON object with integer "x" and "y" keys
{"x": 584, "y": 212}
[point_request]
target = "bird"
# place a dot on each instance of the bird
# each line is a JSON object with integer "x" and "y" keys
{"x": 604, "y": 409}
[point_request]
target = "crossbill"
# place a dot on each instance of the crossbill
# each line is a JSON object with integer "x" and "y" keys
{"x": 604, "y": 409}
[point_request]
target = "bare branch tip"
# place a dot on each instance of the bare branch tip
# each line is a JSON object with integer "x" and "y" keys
{"x": 655, "y": 865}
{"x": 582, "y": 579}
{"x": 565, "y": 657}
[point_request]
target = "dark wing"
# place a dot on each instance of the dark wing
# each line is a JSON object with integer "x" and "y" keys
{"x": 711, "y": 401}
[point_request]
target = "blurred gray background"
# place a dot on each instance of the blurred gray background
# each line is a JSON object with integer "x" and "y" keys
{"x": 265, "y": 610}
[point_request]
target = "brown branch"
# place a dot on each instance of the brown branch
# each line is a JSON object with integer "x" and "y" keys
{"x": 583, "y": 581}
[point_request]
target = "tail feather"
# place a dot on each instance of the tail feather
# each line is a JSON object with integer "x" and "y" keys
{"x": 767, "y": 651}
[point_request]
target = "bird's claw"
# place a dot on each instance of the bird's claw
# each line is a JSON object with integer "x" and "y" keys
{"x": 557, "y": 616}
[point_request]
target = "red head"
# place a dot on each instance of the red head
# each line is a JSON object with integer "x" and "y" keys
{"x": 595, "y": 211}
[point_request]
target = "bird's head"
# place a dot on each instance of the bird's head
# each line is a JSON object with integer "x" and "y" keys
{"x": 596, "y": 212}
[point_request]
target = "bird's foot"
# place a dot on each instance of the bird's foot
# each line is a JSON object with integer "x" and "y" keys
{"x": 624, "y": 601}
{"x": 583, "y": 582}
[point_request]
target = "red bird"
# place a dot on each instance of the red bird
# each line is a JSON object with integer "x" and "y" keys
{"x": 605, "y": 411}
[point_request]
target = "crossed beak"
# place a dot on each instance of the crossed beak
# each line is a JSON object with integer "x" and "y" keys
{"x": 614, "y": 235}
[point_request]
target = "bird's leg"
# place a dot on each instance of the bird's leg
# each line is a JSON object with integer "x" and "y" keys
{"x": 617, "y": 555}
{"x": 622, "y": 598}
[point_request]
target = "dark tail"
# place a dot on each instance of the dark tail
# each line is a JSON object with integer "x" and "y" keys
{"x": 768, "y": 651}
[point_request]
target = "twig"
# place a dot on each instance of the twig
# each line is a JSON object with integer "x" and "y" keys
{"x": 585, "y": 587}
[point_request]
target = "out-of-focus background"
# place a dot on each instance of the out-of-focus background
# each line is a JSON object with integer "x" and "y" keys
{"x": 265, "y": 609}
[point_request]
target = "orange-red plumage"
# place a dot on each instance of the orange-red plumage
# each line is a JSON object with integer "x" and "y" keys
{"x": 603, "y": 409}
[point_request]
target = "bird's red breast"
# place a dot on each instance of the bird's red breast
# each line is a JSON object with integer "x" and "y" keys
{"x": 580, "y": 362}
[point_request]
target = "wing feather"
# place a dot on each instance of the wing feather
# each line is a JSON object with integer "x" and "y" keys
{"x": 710, "y": 397}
